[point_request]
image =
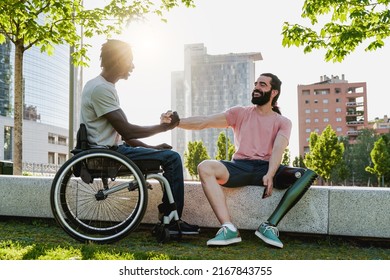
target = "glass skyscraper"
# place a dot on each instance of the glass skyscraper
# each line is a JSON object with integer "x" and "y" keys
{"x": 46, "y": 104}
{"x": 5, "y": 79}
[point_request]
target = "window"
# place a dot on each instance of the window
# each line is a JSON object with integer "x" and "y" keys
{"x": 321, "y": 91}
{"x": 316, "y": 120}
{"x": 61, "y": 158}
{"x": 308, "y": 130}
{"x": 62, "y": 140}
{"x": 338, "y": 110}
{"x": 326, "y": 120}
{"x": 51, "y": 139}
{"x": 337, "y": 100}
{"x": 51, "y": 158}
{"x": 325, "y": 110}
{"x": 8, "y": 140}
{"x": 307, "y": 101}
{"x": 325, "y": 101}
{"x": 338, "y": 119}
{"x": 307, "y": 120}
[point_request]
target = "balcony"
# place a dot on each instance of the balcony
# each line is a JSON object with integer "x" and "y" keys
{"x": 354, "y": 104}
{"x": 353, "y": 133}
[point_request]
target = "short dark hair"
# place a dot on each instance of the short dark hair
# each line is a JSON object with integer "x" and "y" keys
{"x": 113, "y": 52}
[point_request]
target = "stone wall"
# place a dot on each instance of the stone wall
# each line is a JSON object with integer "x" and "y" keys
{"x": 336, "y": 210}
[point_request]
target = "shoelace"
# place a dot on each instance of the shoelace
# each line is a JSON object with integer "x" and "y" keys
{"x": 273, "y": 229}
{"x": 224, "y": 229}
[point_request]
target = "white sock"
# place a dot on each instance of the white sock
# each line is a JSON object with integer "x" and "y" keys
{"x": 230, "y": 226}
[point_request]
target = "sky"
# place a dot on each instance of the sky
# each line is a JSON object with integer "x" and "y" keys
{"x": 227, "y": 26}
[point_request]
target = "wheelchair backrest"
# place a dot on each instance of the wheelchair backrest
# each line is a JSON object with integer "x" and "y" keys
{"x": 82, "y": 138}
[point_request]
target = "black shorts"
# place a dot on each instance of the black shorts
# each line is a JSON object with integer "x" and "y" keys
{"x": 244, "y": 172}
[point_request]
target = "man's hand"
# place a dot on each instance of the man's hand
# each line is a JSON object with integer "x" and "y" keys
{"x": 170, "y": 118}
{"x": 175, "y": 120}
{"x": 166, "y": 117}
{"x": 268, "y": 184}
{"x": 163, "y": 146}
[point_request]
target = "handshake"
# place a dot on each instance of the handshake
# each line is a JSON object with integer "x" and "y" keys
{"x": 170, "y": 119}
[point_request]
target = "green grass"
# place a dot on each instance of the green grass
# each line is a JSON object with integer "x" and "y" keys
{"x": 43, "y": 239}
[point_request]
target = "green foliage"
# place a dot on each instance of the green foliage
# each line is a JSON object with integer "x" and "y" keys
{"x": 286, "y": 157}
{"x": 380, "y": 156}
{"x": 325, "y": 152}
{"x": 351, "y": 23}
{"x": 221, "y": 148}
{"x": 358, "y": 157}
{"x": 299, "y": 162}
{"x": 47, "y": 23}
{"x": 195, "y": 154}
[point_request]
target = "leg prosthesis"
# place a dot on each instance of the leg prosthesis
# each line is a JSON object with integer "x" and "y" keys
{"x": 299, "y": 180}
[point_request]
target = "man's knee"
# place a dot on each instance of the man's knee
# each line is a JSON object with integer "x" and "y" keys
{"x": 176, "y": 155}
{"x": 204, "y": 168}
{"x": 213, "y": 169}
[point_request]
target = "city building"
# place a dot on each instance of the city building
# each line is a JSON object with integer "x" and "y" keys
{"x": 381, "y": 126}
{"x": 210, "y": 84}
{"x": 331, "y": 101}
{"x": 46, "y": 104}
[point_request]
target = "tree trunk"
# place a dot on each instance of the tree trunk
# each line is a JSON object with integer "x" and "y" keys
{"x": 18, "y": 111}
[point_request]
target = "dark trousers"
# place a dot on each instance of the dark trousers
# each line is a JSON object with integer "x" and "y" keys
{"x": 172, "y": 166}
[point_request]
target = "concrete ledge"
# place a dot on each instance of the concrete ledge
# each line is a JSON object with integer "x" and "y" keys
{"x": 348, "y": 211}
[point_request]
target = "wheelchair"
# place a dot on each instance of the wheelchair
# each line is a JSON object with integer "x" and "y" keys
{"x": 100, "y": 195}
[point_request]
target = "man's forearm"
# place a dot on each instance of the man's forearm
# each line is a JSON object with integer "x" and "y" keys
{"x": 201, "y": 122}
{"x": 193, "y": 123}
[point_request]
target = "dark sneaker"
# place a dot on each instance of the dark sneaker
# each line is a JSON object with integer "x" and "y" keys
{"x": 185, "y": 228}
{"x": 225, "y": 236}
{"x": 269, "y": 234}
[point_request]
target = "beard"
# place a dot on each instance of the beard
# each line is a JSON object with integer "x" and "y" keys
{"x": 264, "y": 97}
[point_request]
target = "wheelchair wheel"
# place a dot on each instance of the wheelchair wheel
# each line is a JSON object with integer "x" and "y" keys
{"x": 99, "y": 195}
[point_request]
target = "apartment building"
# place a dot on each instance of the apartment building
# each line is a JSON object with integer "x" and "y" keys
{"x": 331, "y": 101}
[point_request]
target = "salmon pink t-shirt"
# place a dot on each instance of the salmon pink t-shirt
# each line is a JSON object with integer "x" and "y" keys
{"x": 255, "y": 134}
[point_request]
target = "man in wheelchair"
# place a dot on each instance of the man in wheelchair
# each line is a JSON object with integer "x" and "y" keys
{"x": 107, "y": 125}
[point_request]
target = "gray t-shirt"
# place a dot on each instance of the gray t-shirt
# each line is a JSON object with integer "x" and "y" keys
{"x": 98, "y": 98}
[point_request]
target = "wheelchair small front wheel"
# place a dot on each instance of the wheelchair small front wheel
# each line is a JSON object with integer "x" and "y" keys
{"x": 98, "y": 196}
{"x": 162, "y": 233}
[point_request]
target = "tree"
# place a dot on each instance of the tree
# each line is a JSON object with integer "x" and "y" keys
{"x": 221, "y": 148}
{"x": 299, "y": 162}
{"x": 46, "y": 23}
{"x": 359, "y": 157}
{"x": 286, "y": 157}
{"x": 341, "y": 173}
{"x": 195, "y": 154}
{"x": 351, "y": 23}
{"x": 380, "y": 157}
{"x": 325, "y": 152}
